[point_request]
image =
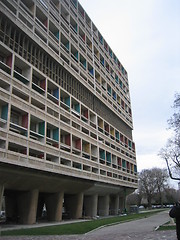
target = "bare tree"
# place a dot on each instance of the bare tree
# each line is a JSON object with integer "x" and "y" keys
{"x": 151, "y": 182}
{"x": 134, "y": 199}
{"x": 161, "y": 177}
{"x": 171, "y": 152}
{"x": 147, "y": 184}
{"x": 174, "y": 121}
{"x": 171, "y": 195}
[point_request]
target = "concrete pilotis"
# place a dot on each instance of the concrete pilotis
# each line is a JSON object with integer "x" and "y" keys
{"x": 54, "y": 205}
{"x": 122, "y": 205}
{"x": 27, "y": 206}
{"x": 74, "y": 205}
{"x": 103, "y": 205}
{"x": 114, "y": 205}
{"x": 90, "y": 205}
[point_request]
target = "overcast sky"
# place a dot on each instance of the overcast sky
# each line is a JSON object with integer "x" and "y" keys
{"x": 145, "y": 36}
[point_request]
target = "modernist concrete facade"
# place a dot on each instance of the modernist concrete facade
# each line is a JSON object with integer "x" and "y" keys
{"x": 65, "y": 115}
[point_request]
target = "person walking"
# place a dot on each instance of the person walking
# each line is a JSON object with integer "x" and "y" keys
{"x": 175, "y": 213}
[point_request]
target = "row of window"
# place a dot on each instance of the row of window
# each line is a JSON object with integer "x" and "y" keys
{"x": 84, "y": 120}
{"x": 47, "y": 65}
{"x": 29, "y": 125}
{"x": 63, "y": 8}
{"x": 60, "y": 162}
{"x": 53, "y": 31}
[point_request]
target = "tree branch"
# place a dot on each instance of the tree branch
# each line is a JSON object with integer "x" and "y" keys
{"x": 169, "y": 170}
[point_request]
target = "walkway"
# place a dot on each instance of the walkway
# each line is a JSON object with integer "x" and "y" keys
{"x": 143, "y": 229}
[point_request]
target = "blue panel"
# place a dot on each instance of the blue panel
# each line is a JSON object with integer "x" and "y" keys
{"x": 114, "y": 95}
{"x": 91, "y": 71}
{"x": 56, "y": 93}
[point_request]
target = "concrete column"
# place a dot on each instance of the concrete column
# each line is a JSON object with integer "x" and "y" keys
{"x": 54, "y": 206}
{"x": 90, "y": 205}
{"x": 103, "y": 205}
{"x": 74, "y": 205}
{"x": 27, "y": 206}
{"x": 122, "y": 202}
{"x": 1, "y": 195}
{"x": 114, "y": 205}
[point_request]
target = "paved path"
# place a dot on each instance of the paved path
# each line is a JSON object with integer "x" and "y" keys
{"x": 143, "y": 229}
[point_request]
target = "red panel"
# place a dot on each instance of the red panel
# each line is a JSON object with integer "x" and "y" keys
{"x": 43, "y": 84}
{"x": 25, "y": 121}
{"x": 9, "y": 61}
{"x": 46, "y": 23}
{"x": 119, "y": 161}
{"x": 68, "y": 140}
{"x": 56, "y": 145}
{"x": 86, "y": 113}
{"x": 78, "y": 144}
{"x": 121, "y": 138}
{"x": 107, "y": 128}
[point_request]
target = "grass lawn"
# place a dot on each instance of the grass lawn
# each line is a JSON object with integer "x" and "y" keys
{"x": 167, "y": 227}
{"x": 76, "y": 228}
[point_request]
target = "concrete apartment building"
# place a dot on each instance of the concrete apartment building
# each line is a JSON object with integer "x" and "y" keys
{"x": 65, "y": 115}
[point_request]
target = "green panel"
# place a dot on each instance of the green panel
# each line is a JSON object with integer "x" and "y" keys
{"x": 117, "y": 135}
{"x": 102, "y": 154}
{"x": 76, "y": 55}
{"x": 4, "y": 112}
{"x": 57, "y": 35}
{"x": 130, "y": 143}
{"x": 84, "y": 63}
{"x": 41, "y": 128}
{"x": 109, "y": 90}
{"x": 56, "y": 134}
{"x": 108, "y": 157}
{"x": 123, "y": 163}
{"x": 67, "y": 45}
{"x": 67, "y": 101}
{"x": 77, "y": 107}
{"x": 117, "y": 79}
